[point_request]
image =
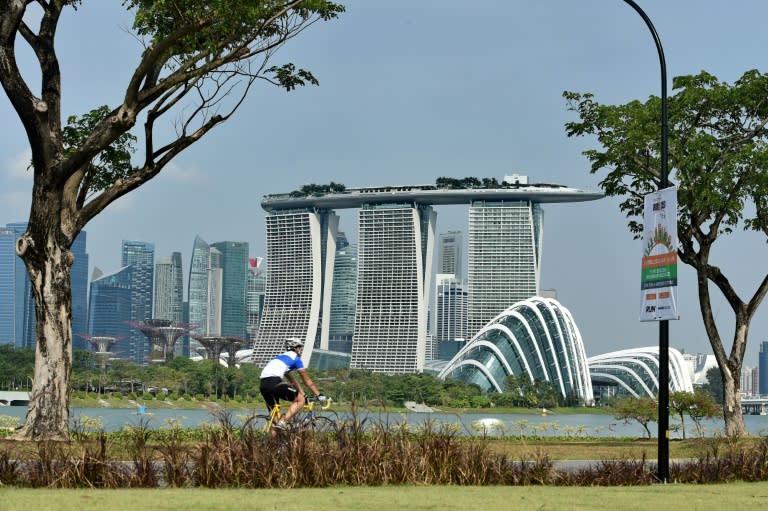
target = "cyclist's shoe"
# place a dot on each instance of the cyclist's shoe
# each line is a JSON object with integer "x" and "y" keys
{"x": 280, "y": 425}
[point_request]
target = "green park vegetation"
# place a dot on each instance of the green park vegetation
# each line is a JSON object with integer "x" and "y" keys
{"x": 386, "y": 498}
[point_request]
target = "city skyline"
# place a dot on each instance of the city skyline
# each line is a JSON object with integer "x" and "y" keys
{"x": 486, "y": 104}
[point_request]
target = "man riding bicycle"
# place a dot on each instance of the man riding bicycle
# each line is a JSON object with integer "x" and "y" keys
{"x": 273, "y": 388}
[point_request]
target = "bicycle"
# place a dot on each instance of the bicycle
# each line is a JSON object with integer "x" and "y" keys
{"x": 308, "y": 419}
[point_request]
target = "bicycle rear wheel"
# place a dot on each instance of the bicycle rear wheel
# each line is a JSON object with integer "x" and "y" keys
{"x": 256, "y": 424}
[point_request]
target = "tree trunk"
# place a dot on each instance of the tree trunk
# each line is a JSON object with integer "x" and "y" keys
{"x": 734, "y": 420}
{"x": 49, "y": 263}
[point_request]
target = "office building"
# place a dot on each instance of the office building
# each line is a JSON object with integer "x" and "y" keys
{"x": 344, "y": 296}
{"x": 169, "y": 292}
{"x": 110, "y": 310}
{"x": 450, "y": 252}
{"x": 234, "y": 279}
{"x": 17, "y": 304}
{"x": 393, "y": 287}
{"x": 140, "y": 255}
{"x": 257, "y": 285}
{"x": 215, "y": 293}
{"x": 197, "y": 290}
{"x": 450, "y": 316}
{"x": 762, "y": 368}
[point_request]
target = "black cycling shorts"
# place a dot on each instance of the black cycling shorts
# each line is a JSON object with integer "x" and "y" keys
{"x": 273, "y": 388}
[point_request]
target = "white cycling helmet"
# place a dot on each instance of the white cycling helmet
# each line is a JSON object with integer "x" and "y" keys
{"x": 292, "y": 343}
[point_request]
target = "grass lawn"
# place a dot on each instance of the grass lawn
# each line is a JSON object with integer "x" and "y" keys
{"x": 391, "y": 498}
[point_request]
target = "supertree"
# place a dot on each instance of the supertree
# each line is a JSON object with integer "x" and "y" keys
{"x": 162, "y": 334}
{"x": 102, "y": 346}
{"x": 215, "y": 345}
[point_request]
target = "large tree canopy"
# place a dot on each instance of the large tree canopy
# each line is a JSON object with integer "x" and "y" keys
{"x": 199, "y": 62}
{"x": 718, "y": 159}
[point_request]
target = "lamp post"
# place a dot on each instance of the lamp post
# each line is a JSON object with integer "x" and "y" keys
{"x": 663, "y": 453}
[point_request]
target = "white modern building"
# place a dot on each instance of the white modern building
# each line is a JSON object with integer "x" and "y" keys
{"x": 635, "y": 372}
{"x": 393, "y": 287}
{"x": 504, "y": 257}
{"x": 537, "y": 338}
{"x": 301, "y": 245}
{"x": 395, "y": 251}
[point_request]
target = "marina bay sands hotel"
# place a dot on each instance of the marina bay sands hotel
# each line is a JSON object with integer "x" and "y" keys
{"x": 395, "y": 247}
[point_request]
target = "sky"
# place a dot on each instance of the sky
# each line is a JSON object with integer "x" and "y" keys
{"x": 411, "y": 90}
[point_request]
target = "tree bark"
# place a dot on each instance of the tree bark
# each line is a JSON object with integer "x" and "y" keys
{"x": 734, "y": 420}
{"x": 49, "y": 263}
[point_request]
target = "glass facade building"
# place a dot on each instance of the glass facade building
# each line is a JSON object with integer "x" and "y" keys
{"x": 109, "y": 308}
{"x": 197, "y": 290}
{"x": 537, "y": 338}
{"x": 762, "y": 368}
{"x": 17, "y": 304}
{"x": 169, "y": 293}
{"x": 140, "y": 255}
{"x": 234, "y": 265}
{"x": 344, "y": 296}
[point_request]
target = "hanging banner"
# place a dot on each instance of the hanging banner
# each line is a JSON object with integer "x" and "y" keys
{"x": 658, "y": 279}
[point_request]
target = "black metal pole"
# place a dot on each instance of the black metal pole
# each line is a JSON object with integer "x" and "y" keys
{"x": 663, "y": 456}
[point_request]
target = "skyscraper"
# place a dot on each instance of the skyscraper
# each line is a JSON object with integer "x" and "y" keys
{"x": 234, "y": 263}
{"x": 109, "y": 308}
{"x": 79, "y": 283}
{"x": 504, "y": 258}
{"x": 197, "y": 291}
{"x": 17, "y": 304}
{"x": 450, "y": 253}
{"x": 343, "y": 297}
{"x": 140, "y": 255}
{"x": 294, "y": 301}
{"x": 215, "y": 292}
{"x": 762, "y": 368}
{"x": 7, "y": 286}
{"x": 169, "y": 292}
{"x": 451, "y": 316}
{"x": 394, "y": 268}
{"x": 169, "y": 288}
{"x": 257, "y": 285}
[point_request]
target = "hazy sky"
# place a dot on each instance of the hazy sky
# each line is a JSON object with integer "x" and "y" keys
{"x": 412, "y": 90}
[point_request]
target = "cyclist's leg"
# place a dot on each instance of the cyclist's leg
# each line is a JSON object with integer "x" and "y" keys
{"x": 288, "y": 393}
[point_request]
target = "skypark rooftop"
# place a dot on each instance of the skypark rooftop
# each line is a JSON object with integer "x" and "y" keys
{"x": 428, "y": 195}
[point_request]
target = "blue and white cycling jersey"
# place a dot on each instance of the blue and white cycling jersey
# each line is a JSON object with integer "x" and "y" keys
{"x": 283, "y": 363}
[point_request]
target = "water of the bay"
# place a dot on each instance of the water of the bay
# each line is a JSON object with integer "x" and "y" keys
{"x": 553, "y": 424}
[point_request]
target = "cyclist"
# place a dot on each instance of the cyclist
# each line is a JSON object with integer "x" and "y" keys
{"x": 273, "y": 388}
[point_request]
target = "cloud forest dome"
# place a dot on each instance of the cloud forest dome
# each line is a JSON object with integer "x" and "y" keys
{"x": 635, "y": 371}
{"x": 536, "y": 337}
